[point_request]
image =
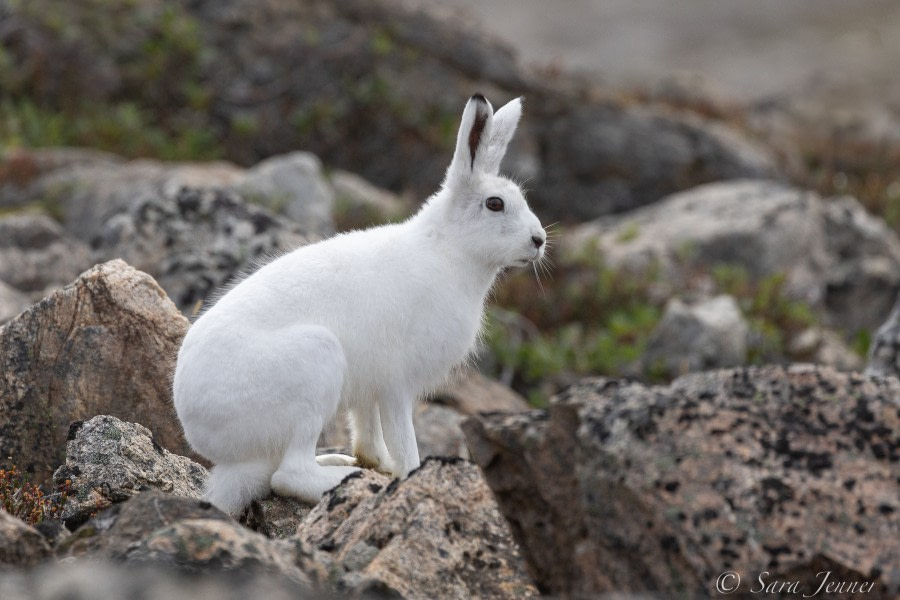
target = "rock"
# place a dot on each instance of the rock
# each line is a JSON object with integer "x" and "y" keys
{"x": 760, "y": 226}
{"x": 276, "y": 517}
{"x": 437, "y": 419}
{"x": 102, "y": 345}
{"x": 12, "y": 302}
{"x": 20, "y": 544}
{"x": 709, "y": 334}
{"x": 36, "y": 253}
{"x": 833, "y": 256}
{"x": 865, "y": 265}
{"x": 436, "y": 534}
{"x": 191, "y": 535}
{"x": 884, "y": 351}
{"x": 610, "y": 157}
{"x": 195, "y": 241}
{"x": 438, "y": 431}
{"x": 93, "y": 580}
{"x": 619, "y": 487}
{"x": 292, "y": 185}
{"x": 472, "y": 393}
{"x": 360, "y": 204}
{"x": 109, "y": 461}
{"x": 824, "y": 347}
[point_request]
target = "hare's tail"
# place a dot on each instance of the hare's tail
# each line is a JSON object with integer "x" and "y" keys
{"x": 232, "y": 486}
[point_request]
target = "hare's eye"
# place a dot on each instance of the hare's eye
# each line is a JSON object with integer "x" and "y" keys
{"x": 494, "y": 203}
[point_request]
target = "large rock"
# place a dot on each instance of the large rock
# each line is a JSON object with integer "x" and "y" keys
{"x": 20, "y": 544}
{"x": 864, "y": 275}
{"x": 12, "y": 302}
{"x": 194, "y": 241}
{"x": 831, "y": 253}
{"x": 436, "y": 534}
{"x": 109, "y": 461}
{"x": 695, "y": 337}
{"x": 293, "y": 185}
{"x": 37, "y": 253}
{"x": 102, "y": 345}
{"x": 884, "y": 352}
{"x": 93, "y": 580}
{"x": 185, "y": 533}
{"x": 610, "y": 157}
{"x": 776, "y": 472}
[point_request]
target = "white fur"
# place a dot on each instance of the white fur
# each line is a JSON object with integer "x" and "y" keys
{"x": 367, "y": 321}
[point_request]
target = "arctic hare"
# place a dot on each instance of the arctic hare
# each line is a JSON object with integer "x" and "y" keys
{"x": 366, "y": 321}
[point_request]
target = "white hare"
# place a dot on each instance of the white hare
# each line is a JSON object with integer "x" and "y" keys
{"x": 366, "y": 321}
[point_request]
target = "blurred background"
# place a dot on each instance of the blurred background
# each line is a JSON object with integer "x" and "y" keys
{"x": 722, "y": 178}
{"x": 838, "y": 52}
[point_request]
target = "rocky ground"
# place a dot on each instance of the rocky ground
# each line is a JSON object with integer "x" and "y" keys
{"x": 741, "y": 274}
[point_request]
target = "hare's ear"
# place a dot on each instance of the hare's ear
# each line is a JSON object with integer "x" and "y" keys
{"x": 472, "y": 139}
{"x": 505, "y": 121}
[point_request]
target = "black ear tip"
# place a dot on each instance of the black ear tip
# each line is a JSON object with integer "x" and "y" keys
{"x": 479, "y": 97}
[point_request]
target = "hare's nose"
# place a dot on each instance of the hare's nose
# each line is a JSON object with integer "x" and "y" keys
{"x": 538, "y": 241}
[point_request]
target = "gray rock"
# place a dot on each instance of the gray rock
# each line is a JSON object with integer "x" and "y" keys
{"x": 20, "y": 544}
{"x": 884, "y": 352}
{"x": 12, "y": 302}
{"x": 832, "y": 254}
{"x": 362, "y": 204}
{"x": 436, "y": 534}
{"x": 610, "y": 157}
{"x": 865, "y": 265}
{"x": 190, "y": 535}
{"x": 438, "y": 431}
{"x": 760, "y": 226}
{"x": 824, "y": 347}
{"x": 472, "y": 393}
{"x": 108, "y": 580}
{"x": 623, "y": 488}
{"x": 195, "y": 241}
{"x": 37, "y": 253}
{"x": 109, "y": 461}
{"x": 708, "y": 334}
{"x": 293, "y": 185}
{"x": 102, "y": 345}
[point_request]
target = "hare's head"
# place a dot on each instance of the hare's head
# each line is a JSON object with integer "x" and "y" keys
{"x": 488, "y": 212}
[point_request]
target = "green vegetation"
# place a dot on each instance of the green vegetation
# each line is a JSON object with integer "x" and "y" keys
{"x": 595, "y": 320}
{"x": 124, "y": 128}
{"x": 155, "y": 105}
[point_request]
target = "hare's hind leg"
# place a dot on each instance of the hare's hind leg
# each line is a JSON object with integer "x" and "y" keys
{"x": 320, "y": 378}
{"x": 231, "y": 486}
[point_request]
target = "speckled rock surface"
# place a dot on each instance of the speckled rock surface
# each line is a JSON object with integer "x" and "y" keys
{"x": 185, "y": 533}
{"x": 110, "y": 580}
{"x": 437, "y": 534}
{"x": 196, "y": 240}
{"x": 109, "y": 461}
{"x": 20, "y": 544}
{"x": 102, "y": 345}
{"x": 621, "y": 487}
